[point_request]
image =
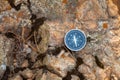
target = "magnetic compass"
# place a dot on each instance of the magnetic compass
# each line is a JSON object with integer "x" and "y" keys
{"x": 75, "y": 40}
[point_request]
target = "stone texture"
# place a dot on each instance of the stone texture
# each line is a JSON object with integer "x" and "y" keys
{"x": 61, "y": 63}
{"x": 74, "y": 77}
{"x": 99, "y": 19}
{"x": 12, "y": 19}
{"x": 112, "y": 8}
{"x": 4, "y": 5}
{"x": 5, "y": 48}
{"x": 47, "y": 76}
{"x": 16, "y": 77}
{"x": 27, "y": 74}
{"x": 44, "y": 34}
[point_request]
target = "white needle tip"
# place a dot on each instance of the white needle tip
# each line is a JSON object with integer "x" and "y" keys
{"x": 74, "y": 38}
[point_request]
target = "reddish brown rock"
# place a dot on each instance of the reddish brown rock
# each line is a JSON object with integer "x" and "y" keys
{"x": 61, "y": 63}
{"x": 99, "y": 19}
{"x": 27, "y": 73}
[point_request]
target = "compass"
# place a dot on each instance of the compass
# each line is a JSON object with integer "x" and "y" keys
{"x": 75, "y": 40}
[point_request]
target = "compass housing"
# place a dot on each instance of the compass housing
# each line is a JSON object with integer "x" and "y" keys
{"x": 75, "y": 40}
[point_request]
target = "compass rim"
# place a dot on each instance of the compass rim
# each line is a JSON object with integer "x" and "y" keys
{"x": 66, "y": 42}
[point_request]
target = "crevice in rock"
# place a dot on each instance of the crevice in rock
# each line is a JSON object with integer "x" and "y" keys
{"x": 68, "y": 77}
{"x": 99, "y": 63}
{"x": 79, "y": 62}
{"x": 33, "y": 16}
{"x": 38, "y": 22}
{"x": 89, "y": 39}
{"x": 10, "y": 35}
{"x": 34, "y": 29}
{"x": 75, "y": 71}
{"x": 41, "y": 57}
{"x": 57, "y": 50}
{"x": 16, "y": 70}
{"x": 30, "y": 63}
{"x": 35, "y": 26}
{"x": 11, "y": 2}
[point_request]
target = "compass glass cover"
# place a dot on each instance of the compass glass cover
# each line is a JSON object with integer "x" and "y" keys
{"x": 75, "y": 40}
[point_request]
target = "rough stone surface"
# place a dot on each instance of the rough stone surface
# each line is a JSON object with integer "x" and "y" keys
{"x": 47, "y": 76}
{"x": 16, "y": 77}
{"x": 74, "y": 77}
{"x": 61, "y": 63}
{"x": 43, "y": 32}
{"x": 5, "y": 45}
{"x": 99, "y": 19}
{"x": 12, "y": 19}
{"x": 27, "y": 74}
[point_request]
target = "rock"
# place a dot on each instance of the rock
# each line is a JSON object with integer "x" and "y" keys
{"x": 113, "y": 77}
{"x": 25, "y": 64}
{"x": 62, "y": 63}
{"x": 29, "y": 79}
{"x": 112, "y": 8}
{"x": 27, "y": 73}
{"x": 92, "y": 10}
{"x": 4, "y": 5}
{"x": 50, "y": 9}
{"x": 87, "y": 14}
{"x": 17, "y": 2}
{"x": 33, "y": 56}
{"x": 57, "y": 32}
{"x": 37, "y": 64}
{"x": 109, "y": 51}
{"x": 100, "y": 74}
{"x": 12, "y": 19}
{"x": 16, "y": 77}
{"x": 95, "y": 73}
{"x": 88, "y": 60}
{"x": 27, "y": 49}
{"x": 38, "y": 74}
{"x": 87, "y": 72}
{"x": 50, "y": 76}
{"x": 117, "y": 2}
{"x": 46, "y": 76}
{"x": 5, "y": 49}
{"x": 116, "y": 69}
{"x": 74, "y": 77}
{"x": 114, "y": 41}
{"x": 43, "y": 32}
{"x": 99, "y": 19}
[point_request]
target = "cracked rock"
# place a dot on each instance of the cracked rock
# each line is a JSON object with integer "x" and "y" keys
{"x": 62, "y": 63}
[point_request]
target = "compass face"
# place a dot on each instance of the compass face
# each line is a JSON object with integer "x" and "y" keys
{"x": 75, "y": 40}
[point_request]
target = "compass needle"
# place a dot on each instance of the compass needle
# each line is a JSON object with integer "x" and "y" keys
{"x": 75, "y": 40}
